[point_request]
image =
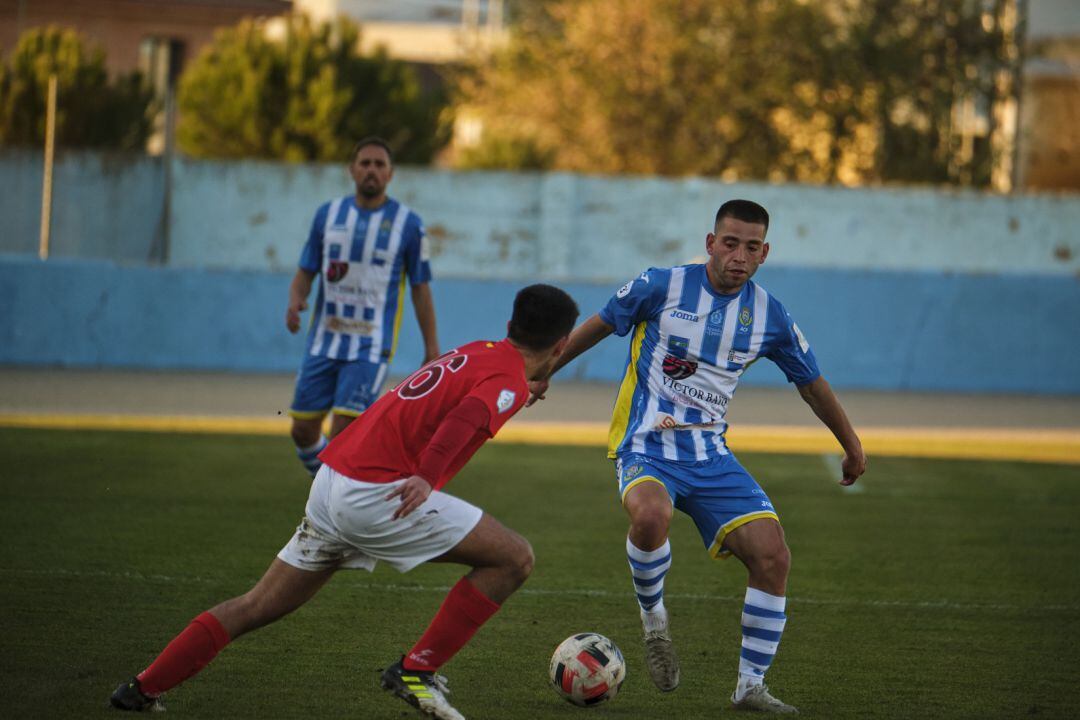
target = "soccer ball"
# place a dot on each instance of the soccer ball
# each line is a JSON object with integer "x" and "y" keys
{"x": 587, "y": 669}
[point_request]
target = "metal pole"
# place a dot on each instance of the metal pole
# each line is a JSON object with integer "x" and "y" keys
{"x": 1020, "y": 143}
{"x": 46, "y": 190}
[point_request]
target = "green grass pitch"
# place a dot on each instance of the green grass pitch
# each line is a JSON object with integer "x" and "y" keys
{"x": 943, "y": 589}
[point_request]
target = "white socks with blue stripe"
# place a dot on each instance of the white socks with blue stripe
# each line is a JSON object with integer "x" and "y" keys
{"x": 309, "y": 456}
{"x": 648, "y": 568}
{"x": 763, "y": 622}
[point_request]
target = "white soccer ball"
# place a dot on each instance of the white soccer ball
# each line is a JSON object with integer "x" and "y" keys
{"x": 587, "y": 669}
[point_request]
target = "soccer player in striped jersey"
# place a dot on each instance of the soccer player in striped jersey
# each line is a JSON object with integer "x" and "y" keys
{"x": 379, "y": 497}
{"x": 695, "y": 329}
{"x": 364, "y": 246}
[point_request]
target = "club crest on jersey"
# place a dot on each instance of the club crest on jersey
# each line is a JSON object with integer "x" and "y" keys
{"x": 629, "y": 473}
{"x": 336, "y": 270}
{"x": 506, "y": 400}
{"x": 716, "y": 317}
{"x": 385, "y": 226}
{"x": 679, "y": 368}
{"x": 746, "y": 317}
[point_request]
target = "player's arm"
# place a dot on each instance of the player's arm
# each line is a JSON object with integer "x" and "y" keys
{"x": 424, "y": 305}
{"x": 584, "y": 336}
{"x": 454, "y": 432}
{"x": 299, "y": 290}
{"x": 819, "y": 395}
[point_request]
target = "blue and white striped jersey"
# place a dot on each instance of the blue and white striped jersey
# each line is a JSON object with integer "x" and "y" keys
{"x": 689, "y": 348}
{"x": 363, "y": 257}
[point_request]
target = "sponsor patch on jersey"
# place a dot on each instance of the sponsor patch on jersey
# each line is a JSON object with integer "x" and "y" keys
{"x": 679, "y": 368}
{"x": 738, "y": 357}
{"x": 716, "y": 317}
{"x": 624, "y": 290}
{"x": 802, "y": 339}
{"x": 665, "y": 422}
{"x": 353, "y": 326}
{"x": 506, "y": 400}
{"x": 336, "y": 270}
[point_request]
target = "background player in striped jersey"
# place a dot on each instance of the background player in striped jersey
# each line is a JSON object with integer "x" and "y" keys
{"x": 364, "y": 246}
{"x": 696, "y": 328}
{"x": 378, "y": 497}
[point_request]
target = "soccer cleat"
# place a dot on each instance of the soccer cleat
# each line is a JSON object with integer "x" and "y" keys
{"x": 129, "y": 696}
{"x": 660, "y": 658}
{"x": 661, "y": 661}
{"x": 425, "y": 691}
{"x": 758, "y": 699}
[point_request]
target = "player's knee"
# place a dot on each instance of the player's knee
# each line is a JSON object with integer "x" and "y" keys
{"x": 304, "y": 434}
{"x": 522, "y": 561}
{"x": 775, "y": 563}
{"x": 649, "y": 526}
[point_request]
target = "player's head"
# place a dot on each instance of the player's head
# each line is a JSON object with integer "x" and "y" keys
{"x": 543, "y": 317}
{"x": 372, "y": 167}
{"x": 747, "y": 211}
{"x": 736, "y": 246}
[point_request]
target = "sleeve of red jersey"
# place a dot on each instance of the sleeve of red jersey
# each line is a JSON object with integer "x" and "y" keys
{"x": 503, "y": 395}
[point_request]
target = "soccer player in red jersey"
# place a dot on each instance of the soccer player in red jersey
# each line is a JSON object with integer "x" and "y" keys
{"x": 378, "y": 497}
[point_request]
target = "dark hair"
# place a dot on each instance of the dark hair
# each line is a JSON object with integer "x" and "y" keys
{"x": 745, "y": 210}
{"x": 543, "y": 315}
{"x": 372, "y": 140}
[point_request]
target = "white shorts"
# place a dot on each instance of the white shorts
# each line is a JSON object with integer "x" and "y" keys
{"x": 349, "y": 524}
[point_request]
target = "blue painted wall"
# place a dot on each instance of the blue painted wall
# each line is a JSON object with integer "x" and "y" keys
{"x": 105, "y": 205}
{"x": 896, "y": 288}
{"x": 919, "y": 331}
{"x": 254, "y": 215}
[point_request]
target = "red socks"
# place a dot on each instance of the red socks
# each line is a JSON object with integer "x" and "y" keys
{"x": 187, "y": 654}
{"x": 462, "y": 613}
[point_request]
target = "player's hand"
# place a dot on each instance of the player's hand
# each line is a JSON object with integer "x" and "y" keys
{"x": 852, "y": 467}
{"x": 413, "y": 492}
{"x": 292, "y": 315}
{"x": 537, "y": 388}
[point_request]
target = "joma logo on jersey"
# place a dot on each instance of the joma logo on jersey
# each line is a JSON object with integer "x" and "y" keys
{"x": 683, "y": 315}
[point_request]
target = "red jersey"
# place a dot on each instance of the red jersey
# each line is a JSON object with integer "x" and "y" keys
{"x": 386, "y": 442}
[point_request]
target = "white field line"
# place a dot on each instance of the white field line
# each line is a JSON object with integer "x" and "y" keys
{"x": 943, "y": 604}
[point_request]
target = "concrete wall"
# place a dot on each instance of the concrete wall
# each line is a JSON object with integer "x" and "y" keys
{"x": 896, "y": 289}
{"x": 105, "y": 205}
{"x": 255, "y": 215}
{"x": 925, "y": 331}
{"x": 568, "y": 227}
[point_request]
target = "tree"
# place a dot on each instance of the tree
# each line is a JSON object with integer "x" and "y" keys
{"x": 853, "y": 92}
{"x": 91, "y": 111}
{"x": 306, "y": 96}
